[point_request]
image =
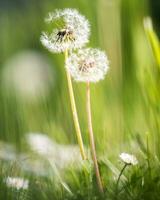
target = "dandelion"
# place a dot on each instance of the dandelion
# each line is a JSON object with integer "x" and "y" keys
{"x": 17, "y": 182}
{"x": 128, "y": 159}
{"x": 72, "y": 31}
{"x": 88, "y": 65}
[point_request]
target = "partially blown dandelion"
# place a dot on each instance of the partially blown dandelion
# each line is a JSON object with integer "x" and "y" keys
{"x": 72, "y": 31}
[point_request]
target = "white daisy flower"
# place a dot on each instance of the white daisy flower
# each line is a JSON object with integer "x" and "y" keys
{"x": 88, "y": 65}
{"x": 72, "y": 31}
{"x": 17, "y": 182}
{"x": 128, "y": 159}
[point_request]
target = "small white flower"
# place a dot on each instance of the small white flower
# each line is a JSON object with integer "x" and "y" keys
{"x": 17, "y": 182}
{"x": 128, "y": 159}
{"x": 72, "y": 31}
{"x": 87, "y": 65}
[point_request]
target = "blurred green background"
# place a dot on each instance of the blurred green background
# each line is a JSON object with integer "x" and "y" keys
{"x": 36, "y": 99}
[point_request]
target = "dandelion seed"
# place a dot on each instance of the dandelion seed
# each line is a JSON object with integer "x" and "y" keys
{"x": 17, "y": 182}
{"x": 88, "y": 65}
{"x": 128, "y": 159}
{"x": 72, "y": 31}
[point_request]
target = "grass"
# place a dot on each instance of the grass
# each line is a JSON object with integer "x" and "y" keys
{"x": 126, "y": 112}
{"x": 138, "y": 182}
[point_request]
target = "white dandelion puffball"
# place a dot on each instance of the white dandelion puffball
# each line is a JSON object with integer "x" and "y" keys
{"x": 88, "y": 65}
{"x": 72, "y": 31}
{"x": 128, "y": 159}
{"x": 17, "y": 182}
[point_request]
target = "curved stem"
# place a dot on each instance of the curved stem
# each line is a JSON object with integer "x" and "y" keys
{"x": 91, "y": 138}
{"x": 120, "y": 175}
{"x": 74, "y": 112}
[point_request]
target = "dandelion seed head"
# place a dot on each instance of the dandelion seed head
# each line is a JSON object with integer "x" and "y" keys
{"x": 72, "y": 33}
{"x": 17, "y": 182}
{"x": 88, "y": 65}
{"x": 128, "y": 159}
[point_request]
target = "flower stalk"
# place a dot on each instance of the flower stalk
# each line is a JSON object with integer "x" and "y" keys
{"x": 124, "y": 167}
{"x": 91, "y": 138}
{"x": 74, "y": 112}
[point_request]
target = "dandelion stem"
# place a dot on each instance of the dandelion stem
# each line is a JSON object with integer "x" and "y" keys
{"x": 91, "y": 138}
{"x": 74, "y": 112}
{"x": 121, "y": 175}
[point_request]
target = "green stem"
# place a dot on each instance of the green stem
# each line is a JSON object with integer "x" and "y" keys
{"x": 74, "y": 111}
{"x": 91, "y": 138}
{"x": 121, "y": 175}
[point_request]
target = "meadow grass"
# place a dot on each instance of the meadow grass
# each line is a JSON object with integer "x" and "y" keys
{"x": 125, "y": 106}
{"x": 138, "y": 182}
